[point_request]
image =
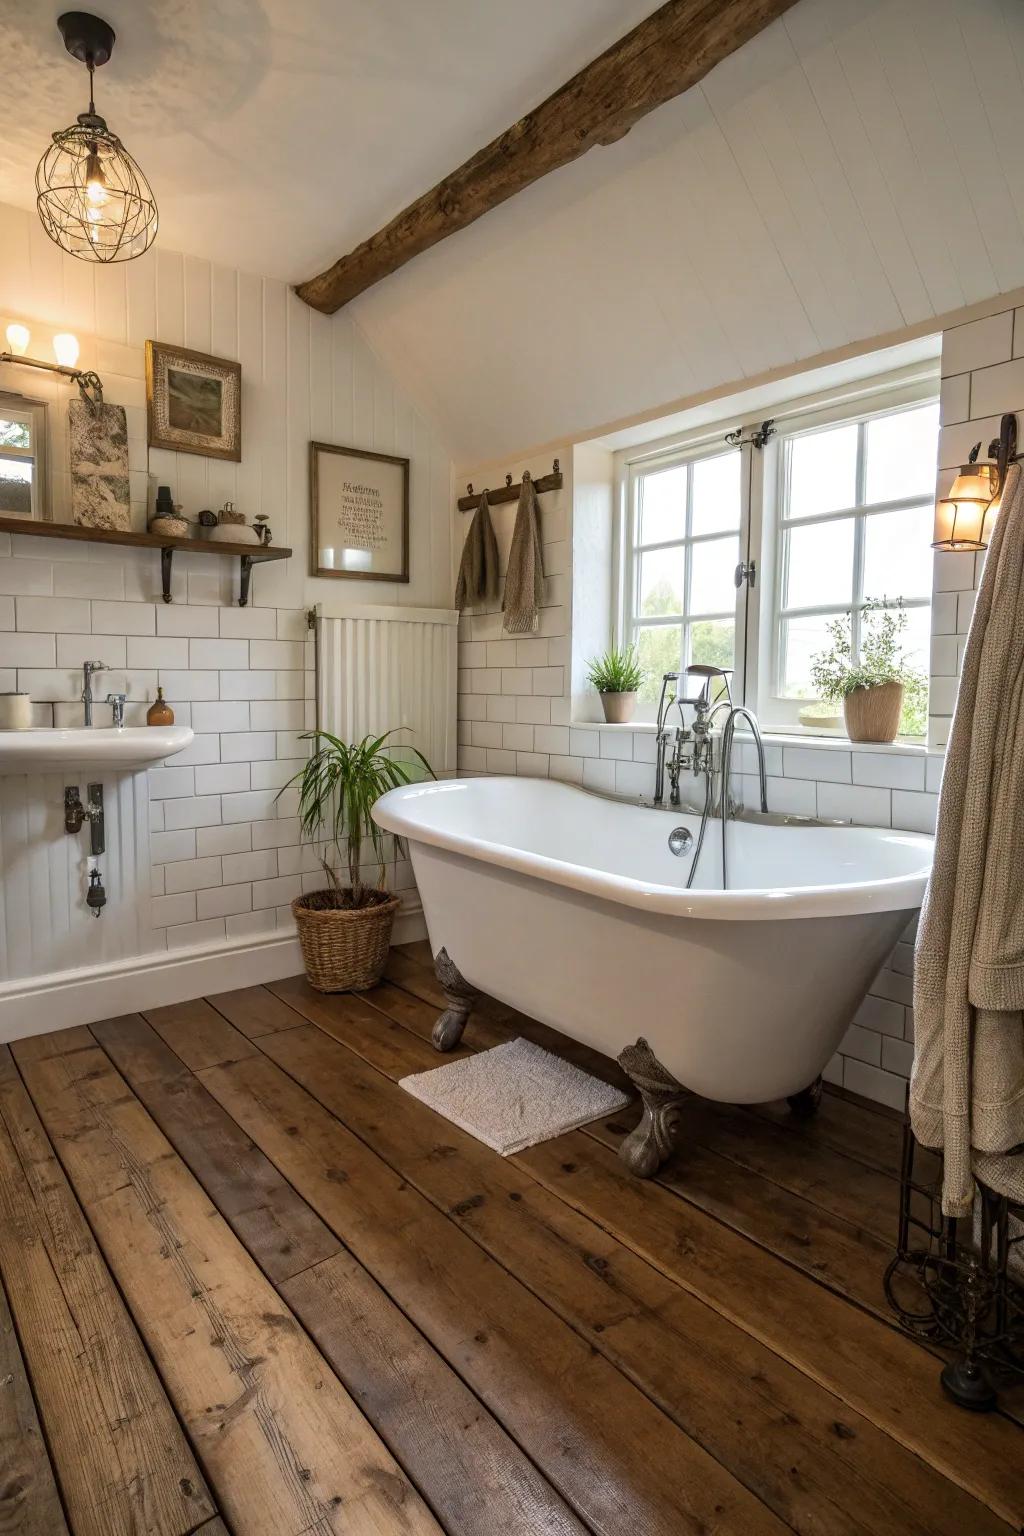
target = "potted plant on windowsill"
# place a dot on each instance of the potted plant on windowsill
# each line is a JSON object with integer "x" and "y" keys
{"x": 617, "y": 675}
{"x": 881, "y": 693}
{"x": 345, "y": 931}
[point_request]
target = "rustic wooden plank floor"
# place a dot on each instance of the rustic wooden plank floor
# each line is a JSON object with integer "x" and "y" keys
{"x": 253, "y": 1287}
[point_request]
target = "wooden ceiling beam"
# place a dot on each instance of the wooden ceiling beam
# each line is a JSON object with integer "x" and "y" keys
{"x": 671, "y": 50}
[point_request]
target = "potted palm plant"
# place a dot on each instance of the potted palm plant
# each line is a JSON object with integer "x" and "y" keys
{"x": 617, "y": 675}
{"x": 881, "y": 693}
{"x": 345, "y": 930}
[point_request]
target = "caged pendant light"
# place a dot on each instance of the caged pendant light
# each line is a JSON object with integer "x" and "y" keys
{"x": 93, "y": 200}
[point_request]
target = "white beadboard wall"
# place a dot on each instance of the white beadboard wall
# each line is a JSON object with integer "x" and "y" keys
{"x": 200, "y": 851}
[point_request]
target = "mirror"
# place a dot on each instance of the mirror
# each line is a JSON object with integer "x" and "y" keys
{"x": 23, "y": 483}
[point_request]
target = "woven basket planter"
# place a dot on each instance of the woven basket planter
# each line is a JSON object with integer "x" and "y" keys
{"x": 345, "y": 949}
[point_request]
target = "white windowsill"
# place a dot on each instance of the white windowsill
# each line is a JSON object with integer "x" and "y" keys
{"x": 784, "y": 738}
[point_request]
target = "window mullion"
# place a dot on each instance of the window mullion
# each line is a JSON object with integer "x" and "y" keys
{"x": 859, "y": 530}
{"x": 685, "y": 657}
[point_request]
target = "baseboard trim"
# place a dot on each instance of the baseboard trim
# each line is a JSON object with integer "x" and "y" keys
{"x": 36, "y": 1005}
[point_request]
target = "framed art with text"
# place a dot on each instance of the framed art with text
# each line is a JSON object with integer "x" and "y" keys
{"x": 359, "y": 509}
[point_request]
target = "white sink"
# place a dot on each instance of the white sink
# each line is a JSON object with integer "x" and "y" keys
{"x": 46, "y": 750}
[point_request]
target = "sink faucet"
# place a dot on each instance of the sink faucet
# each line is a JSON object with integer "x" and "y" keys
{"x": 88, "y": 668}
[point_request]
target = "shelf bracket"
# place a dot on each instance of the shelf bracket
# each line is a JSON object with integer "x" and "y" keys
{"x": 166, "y": 555}
{"x": 246, "y": 562}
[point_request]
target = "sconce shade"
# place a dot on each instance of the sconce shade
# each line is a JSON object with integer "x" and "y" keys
{"x": 960, "y": 517}
{"x": 18, "y": 338}
{"x": 66, "y": 349}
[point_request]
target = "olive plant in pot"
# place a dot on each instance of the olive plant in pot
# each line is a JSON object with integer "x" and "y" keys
{"x": 345, "y": 930}
{"x": 882, "y": 694}
{"x": 617, "y": 676}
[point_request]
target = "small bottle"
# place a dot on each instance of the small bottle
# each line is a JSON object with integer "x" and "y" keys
{"x": 160, "y": 712}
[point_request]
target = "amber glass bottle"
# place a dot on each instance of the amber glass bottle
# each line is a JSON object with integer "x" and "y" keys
{"x": 160, "y": 712}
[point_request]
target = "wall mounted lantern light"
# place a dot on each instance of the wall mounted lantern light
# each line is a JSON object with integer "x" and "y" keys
{"x": 93, "y": 200}
{"x": 963, "y": 518}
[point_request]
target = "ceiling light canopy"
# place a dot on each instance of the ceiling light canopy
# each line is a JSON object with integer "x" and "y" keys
{"x": 93, "y": 200}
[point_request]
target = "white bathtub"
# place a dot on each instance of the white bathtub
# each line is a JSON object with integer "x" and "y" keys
{"x": 571, "y": 908}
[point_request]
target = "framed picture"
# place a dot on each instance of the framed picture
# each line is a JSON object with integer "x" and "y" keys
{"x": 359, "y": 514}
{"x": 193, "y": 402}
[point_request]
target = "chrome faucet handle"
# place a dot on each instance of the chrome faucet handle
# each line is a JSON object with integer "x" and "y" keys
{"x": 116, "y": 702}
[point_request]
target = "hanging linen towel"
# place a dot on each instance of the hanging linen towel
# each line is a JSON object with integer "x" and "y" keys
{"x": 524, "y": 581}
{"x": 967, "y": 1087}
{"x": 478, "y": 571}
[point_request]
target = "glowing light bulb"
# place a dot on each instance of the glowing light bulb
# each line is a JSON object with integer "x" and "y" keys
{"x": 95, "y": 181}
{"x": 18, "y": 338}
{"x": 66, "y": 349}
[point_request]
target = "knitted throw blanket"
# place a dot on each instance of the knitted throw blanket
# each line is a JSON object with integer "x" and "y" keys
{"x": 477, "y": 582}
{"x": 967, "y": 1087}
{"x": 524, "y": 582}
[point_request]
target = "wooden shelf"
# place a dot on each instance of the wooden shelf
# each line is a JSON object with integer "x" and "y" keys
{"x": 247, "y": 554}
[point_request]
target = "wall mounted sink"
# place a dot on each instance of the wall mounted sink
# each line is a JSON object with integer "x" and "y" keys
{"x": 56, "y": 751}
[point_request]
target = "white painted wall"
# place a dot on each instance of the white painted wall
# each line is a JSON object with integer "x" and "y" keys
{"x": 853, "y": 170}
{"x": 200, "y": 852}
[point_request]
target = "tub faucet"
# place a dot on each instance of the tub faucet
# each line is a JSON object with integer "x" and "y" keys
{"x": 88, "y": 668}
{"x": 727, "y": 744}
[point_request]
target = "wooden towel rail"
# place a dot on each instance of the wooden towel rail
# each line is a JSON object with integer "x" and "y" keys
{"x": 510, "y": 492}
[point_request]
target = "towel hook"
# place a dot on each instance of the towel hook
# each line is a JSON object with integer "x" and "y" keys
{"x": 526, "y": 475}
{"x": 469, "y": 488}
{"x": 508, "y": 479}
{"x": 554, "y": 467}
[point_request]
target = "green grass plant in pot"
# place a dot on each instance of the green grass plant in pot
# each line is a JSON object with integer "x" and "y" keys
{"x": 345, "y": 930}
{"x": 617, "y": 676}
{"x": 882, "y": 694}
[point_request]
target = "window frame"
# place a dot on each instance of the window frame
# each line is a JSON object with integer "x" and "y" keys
{"x": 758, "y": 617}
{"x": 777, "y": 711}
{"x": 696, "y": 448}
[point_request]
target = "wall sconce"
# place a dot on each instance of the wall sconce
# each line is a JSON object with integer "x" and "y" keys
{"x": 18, "y": 338}
{"x": 961, "y": 517}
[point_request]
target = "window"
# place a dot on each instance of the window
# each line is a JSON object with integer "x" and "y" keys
{"x": 856, "y": 504}
{"x": 832, "y": 513}
{"x": 683, "y": 550}
{"x": 22, "y": 456}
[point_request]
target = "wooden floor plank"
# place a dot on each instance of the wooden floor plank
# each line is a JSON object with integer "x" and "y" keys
{"x": 121, "y": 1459}
{"x": 482, "y": 1483}
{"x": 274, "y": 1224}
{"x": 205, "y": 1036}
{"x": 29, "y": 1502}
{"x": 666, "y": 1334}
{"x": 254, "y": 1011}
{"x": 619, "y": 1462}
{"x": 283, "y": 1444}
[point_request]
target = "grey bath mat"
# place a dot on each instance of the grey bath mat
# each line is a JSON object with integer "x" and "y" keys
{"x": 514, "y": 1095}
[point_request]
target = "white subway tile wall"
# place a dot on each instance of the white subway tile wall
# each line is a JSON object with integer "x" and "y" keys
{"x": 224, "y": 842}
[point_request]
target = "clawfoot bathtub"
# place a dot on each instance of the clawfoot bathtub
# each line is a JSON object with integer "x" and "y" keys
{"x": 574, "y": 909}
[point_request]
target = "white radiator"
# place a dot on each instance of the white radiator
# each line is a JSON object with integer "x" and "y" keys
{"x": 381, "y": 669}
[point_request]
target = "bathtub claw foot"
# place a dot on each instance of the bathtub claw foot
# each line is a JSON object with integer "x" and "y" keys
{"x": 460, "y": 997}
{"x": 654, "y": 1139}
{"x": 804, "y": 1105}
